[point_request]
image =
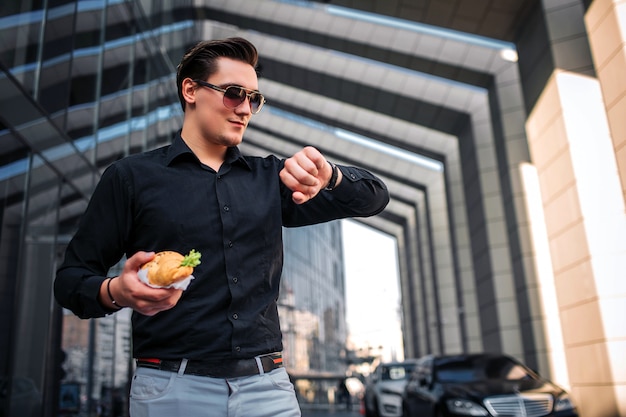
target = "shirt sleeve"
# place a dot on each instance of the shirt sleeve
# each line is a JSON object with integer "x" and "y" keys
{"x": 96, "y": 246}
{"x": 360, "y": 194}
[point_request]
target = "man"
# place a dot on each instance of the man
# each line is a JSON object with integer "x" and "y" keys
{"x": 213, "y": 349}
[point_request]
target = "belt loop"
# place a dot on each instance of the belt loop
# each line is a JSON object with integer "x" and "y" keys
{"x": 183, "y": 366}
{"x": 259, "y": 364}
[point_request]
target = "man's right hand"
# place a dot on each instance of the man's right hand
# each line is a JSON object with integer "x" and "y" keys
{"x": 128, "y": 291}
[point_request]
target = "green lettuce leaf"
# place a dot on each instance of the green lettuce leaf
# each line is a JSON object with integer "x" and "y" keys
{"x": 192, "y": 259}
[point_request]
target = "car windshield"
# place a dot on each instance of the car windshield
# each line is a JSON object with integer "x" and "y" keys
{"x": 479, "y": 369}
{"x": 396, "y": 372}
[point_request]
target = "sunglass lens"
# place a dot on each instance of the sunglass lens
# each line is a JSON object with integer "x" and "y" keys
{"x": 256, "y": 102}
{"x": 235, "y": 96}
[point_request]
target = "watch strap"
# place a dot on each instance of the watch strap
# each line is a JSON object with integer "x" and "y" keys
{"x": 333, "y": 178}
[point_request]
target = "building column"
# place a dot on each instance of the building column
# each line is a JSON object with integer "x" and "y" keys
{"x": 571, "y": 147}
{"x": 606, "y": 26}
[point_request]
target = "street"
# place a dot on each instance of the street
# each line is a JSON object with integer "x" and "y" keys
{"x": 327, "y": 413}
{"x": 331, "y": 412}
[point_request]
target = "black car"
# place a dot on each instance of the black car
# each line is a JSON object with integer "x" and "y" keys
{"x": 481, "y": 385}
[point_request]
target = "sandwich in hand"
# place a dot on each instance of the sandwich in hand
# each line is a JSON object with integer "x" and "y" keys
{"x": 169, "y": 268}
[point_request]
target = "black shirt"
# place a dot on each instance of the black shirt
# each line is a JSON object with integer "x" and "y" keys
{"x": 166, "y": 199}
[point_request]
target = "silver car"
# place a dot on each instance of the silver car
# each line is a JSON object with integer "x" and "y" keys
{"x": 384, "y": 388}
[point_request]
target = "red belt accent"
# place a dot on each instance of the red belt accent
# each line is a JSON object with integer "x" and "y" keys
{"x": 150, "y": 360}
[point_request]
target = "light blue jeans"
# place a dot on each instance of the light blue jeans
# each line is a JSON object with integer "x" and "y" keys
{"x": 156, "y": 393}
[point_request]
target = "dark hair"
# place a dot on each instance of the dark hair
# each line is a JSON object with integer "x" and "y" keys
{"x": 199, "y": 62}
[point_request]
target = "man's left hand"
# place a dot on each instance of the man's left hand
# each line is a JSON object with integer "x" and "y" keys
{"x": 306, "y": 173}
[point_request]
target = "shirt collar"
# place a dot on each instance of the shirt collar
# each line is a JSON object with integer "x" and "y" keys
{"x": 178, "y": 148}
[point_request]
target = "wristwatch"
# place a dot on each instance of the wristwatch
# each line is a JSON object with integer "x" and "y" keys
{"x": 333, "y": 178}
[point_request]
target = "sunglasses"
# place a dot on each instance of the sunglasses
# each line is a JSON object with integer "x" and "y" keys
{"x": 235, "y": 95}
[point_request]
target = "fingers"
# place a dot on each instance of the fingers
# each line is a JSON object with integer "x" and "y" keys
{"x": 135, "y": 262}
{"x": 300, "y": 198}
{"x": 305, "y": 173}
{"x": 314, "y": 156}
{"x": 302, "y": 168}
{"x": 161, "y": 299}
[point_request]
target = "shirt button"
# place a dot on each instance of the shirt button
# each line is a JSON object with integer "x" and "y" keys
{"x": 230, "y": 243}
{"x": 226, "y": 208}
{"x": 235, "y": 280}
{"x": 353, "y": 176}
{"x": 235, "y": 316}
{"x": 237, "y": 348}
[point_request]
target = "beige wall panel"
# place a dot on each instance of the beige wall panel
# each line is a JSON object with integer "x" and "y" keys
{"x": 569, "y": 249}
{"x": 617, "y": 123}
{"x": 597, "y": 13}
{"x": 606, "y": 27}
{"x": 616, "y": 351}
{"x": 540, "y": 122}
{"x": 592, "y": 383}
{"x": 581, "y": 323}
{"x": 604, "y": 32}
{"x": 612, "y": 78}
{"x": 555, "y": 150}
{"x": 595, "y": 401}
{"x": 578, "y": 284}
{"x": 553, "y": 141}
{"x": 564, "y": 210}
{"x": 556, "y": 177}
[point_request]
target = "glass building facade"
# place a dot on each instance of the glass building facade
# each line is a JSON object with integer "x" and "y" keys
{"x": 313, "y": 316}
{"x": 84, "y": 83}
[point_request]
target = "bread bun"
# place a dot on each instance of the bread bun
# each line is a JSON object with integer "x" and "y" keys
{"x": 169, "y": 267}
